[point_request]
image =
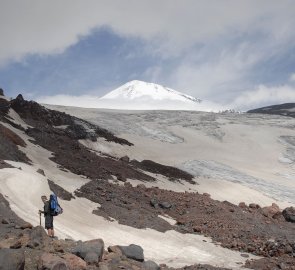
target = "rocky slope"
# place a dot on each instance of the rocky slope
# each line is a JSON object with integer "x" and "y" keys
{"x": 265, "y": 231}
{"x": 286, "y": 109}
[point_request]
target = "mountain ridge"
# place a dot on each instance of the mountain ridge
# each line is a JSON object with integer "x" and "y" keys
{"x": 284, "y": 109}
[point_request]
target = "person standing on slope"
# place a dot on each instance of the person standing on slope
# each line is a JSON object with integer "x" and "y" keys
{"x": 47, "y": 215}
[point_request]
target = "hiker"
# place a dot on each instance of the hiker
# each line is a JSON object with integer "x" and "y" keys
{"x": 48, "y": 216}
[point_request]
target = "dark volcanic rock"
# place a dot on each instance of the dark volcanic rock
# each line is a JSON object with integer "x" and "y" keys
{"x": 41, "y": 172}
{"x": 38, "y": 116}
{"x": 1, "y": 92}
{"x": 50, "y": 261}
{"x": 165, "y": 205}
{"x": 172, "y": 173}
{"x": 270, "y": 211}
{"x": 11, "y": 259}
{"x": 150, "y": 265}
{"x": 127, "y": 204}
{"x": 4, "y": 107}
{"x": 154, "y": 203}
{"x": 77, "y": 158}
{"x": 74, "y": 262}
{"x": 90, "y": 251}
{"x": 279, "y": 263}
{"x": 38, "y": 237}
{"x": 133, "y": 252}
{"x": 286, "y": 109}
{"x": 59, "y": 191}
{"x": 245, "y": 229}
{"x": 289, "y": 214}
{"x": 8, "y": 146}
{"x": 3, "y": 165}
{"x": 7, "y": 214}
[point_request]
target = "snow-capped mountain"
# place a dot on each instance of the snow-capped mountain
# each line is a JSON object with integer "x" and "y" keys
{"x": 139, "y": 89}
{"x": 139, "y": 95}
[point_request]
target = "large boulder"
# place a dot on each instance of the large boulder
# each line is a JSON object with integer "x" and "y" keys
{"x": 11, "y": 259}
{"x": 48, "y": 261}
{"x": 133, "y": 252}
{"x": 1, "y": 92}
{"x": 90, "y": 251}
{"x": 38, "y": 237}
{"x": 270, "y": 211}
{"x": 74, "y": 262}
{"x": 150, "y": 265}
{"x": 289, "y": 214}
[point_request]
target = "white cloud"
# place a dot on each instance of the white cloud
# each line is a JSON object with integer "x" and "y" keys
{"x": 292, "y": 77}
{"x": 259, "y": 97}
{"x": 218, "y": 74}
{"x": 85, "y": 101}
{"x": 46, "y": 27}
{"x": 264, "y": 96}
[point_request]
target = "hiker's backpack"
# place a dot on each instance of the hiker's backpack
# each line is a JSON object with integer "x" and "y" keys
{"x": 55, "y": 208}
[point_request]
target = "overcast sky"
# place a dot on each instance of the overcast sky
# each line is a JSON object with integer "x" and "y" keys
{"x": 233, "y": 52}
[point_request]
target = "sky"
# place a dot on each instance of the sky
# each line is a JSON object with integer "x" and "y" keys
{"x": 233, "y": 52}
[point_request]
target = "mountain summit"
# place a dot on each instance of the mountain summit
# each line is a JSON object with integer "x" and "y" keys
{"x": 144, "y": 90}
{"x": 139, "y": 95}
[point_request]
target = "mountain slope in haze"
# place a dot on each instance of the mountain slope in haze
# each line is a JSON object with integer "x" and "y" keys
{"x": 285, "y": 109}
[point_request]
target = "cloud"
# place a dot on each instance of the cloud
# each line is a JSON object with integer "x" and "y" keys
{"x": 292, "y": 77}
{"x": 264, "y": 96}
{"x": 85, "y": 101}
{"x": 50, "y": 27}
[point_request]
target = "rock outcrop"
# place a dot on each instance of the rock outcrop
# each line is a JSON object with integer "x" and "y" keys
{"x": 12, "y": 259}
{"x": 289, "y": 214}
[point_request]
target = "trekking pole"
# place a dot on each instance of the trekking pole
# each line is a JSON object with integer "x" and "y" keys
{"x": 40, "y": 218}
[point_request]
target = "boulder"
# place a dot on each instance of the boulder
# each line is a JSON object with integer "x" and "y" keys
{"x": 74, "y": 262}
{"x": 48, "y": 261}
{"x": 91, "y": 258}
{"x": 115, "y": 249}
{"x": 242, "y": 205}
{"x": 38, "y": 237}
{"x": 150, "y": 265}
{"x": 12, "y": 259}
{"x": 165, "y": 205}
{"x": 133, "y": 252}
{"x": 91, "y": 251}
{"x": 154, "y": 203}
{"x": 254, "y": 206}
{"x": 1, "y": 92}
{"x": 270, "y": 211}
{"x": 5, "y": 221}
{"x": 289, "y": 214}
{"x": 26, "y": 225}
{"x": 16, "y": 245}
